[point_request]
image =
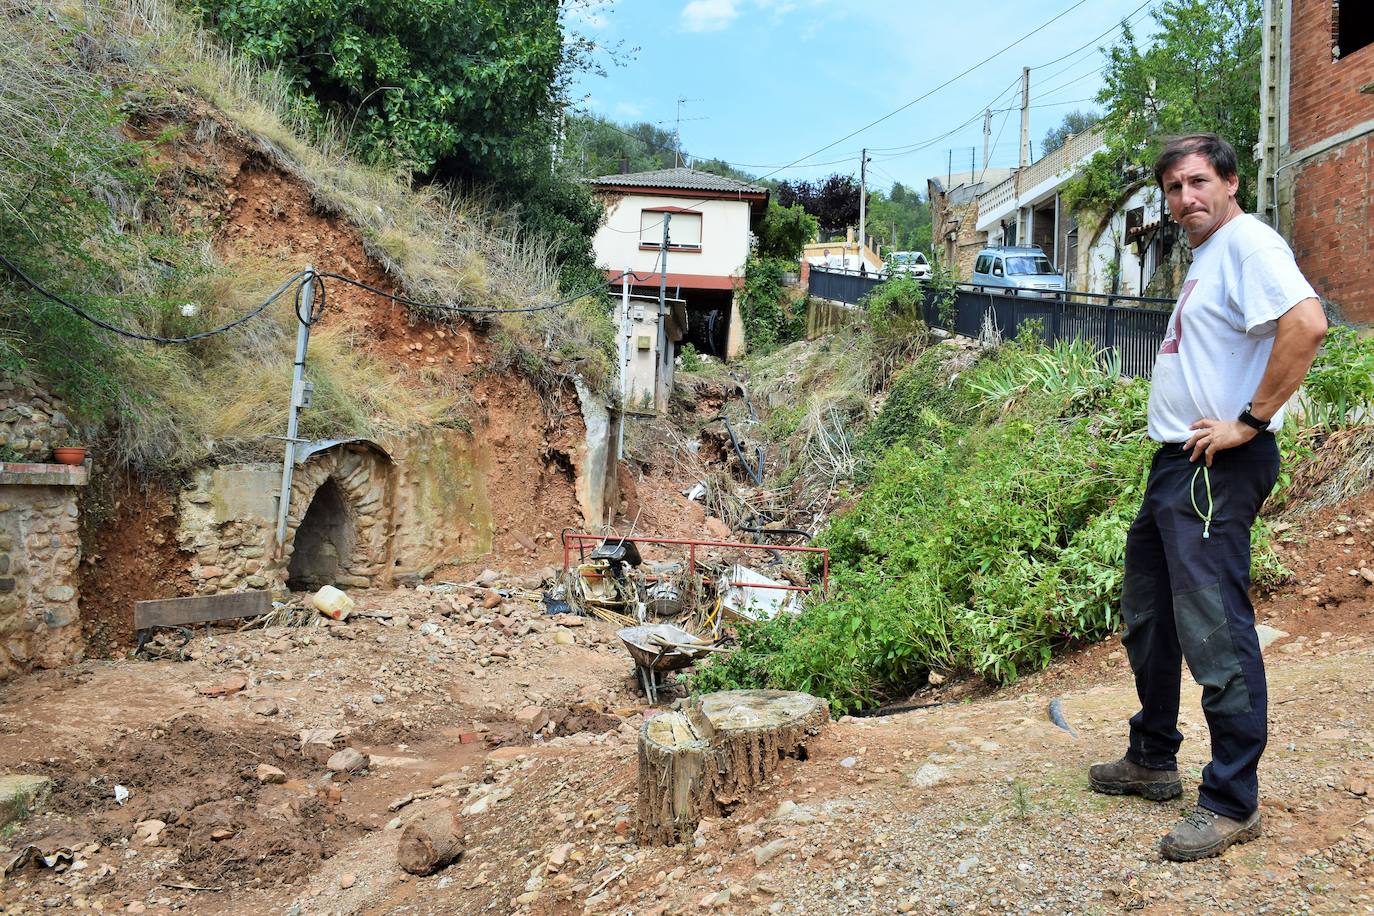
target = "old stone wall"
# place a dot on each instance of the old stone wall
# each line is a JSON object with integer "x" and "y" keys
{"x": 32, "y": 422}
{"x": 40, "y": 548}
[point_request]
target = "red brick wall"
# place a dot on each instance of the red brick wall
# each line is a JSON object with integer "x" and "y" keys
{"x": 1333, "y": 197}
{"x": 1324, "y": 95}
{"x": 1333, "y": 193}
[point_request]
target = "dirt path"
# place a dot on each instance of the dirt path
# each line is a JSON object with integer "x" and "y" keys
{"x": 976, "y": 805}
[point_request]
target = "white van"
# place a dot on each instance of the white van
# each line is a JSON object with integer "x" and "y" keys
{"x": 1016, "y": 271}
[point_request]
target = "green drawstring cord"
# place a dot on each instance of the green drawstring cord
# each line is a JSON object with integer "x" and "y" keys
{"x": 1192, "y": 495}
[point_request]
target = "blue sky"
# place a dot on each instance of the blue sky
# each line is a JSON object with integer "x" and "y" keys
{"x": 775, "y": 80}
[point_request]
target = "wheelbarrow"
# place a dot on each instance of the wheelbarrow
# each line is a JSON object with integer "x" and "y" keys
{"x": 658, "y": 648}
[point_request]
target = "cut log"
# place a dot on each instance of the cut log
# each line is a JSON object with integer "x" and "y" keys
{"x": 430, "y": 841}
{"x": 701, "y": 761}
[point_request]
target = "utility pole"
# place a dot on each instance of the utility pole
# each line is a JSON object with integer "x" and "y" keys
{"x": 972, "y": 163}
{"x": 863, "y": 199}
{"x": 949, "y": 170}
{"x": 625, "y": 331}
{"x": 987, "y": 136}
{"x": 1025, "y": 116}
{"x": 300, "y": 397}
{"x": 661, "y": 382}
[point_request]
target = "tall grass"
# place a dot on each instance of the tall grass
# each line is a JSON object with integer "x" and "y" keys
{"x": 80, "y": 209}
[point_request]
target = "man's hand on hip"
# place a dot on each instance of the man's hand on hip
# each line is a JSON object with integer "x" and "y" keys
{"x": 1212, "y": 436}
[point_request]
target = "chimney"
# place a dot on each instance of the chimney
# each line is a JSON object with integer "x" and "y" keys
{"x": 624, "y": 165}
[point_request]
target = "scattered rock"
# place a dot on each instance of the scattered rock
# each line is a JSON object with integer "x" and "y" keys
{"x": 1268, "y": 635}
{"x": 149, "y": 833}
{"x": 559, "y": 858}
{"x": 233, "y": 685}
{"x": 430, "y": 841}
{"x": 929, "y": 774}
{"x": 264, "y": 706}
{"x": 347, "y": 881}
{"x": 533, "y": 718}
{"x": 270, "y": 775}
{"x": 348, "y": 760}
{"x": 764, "y": 854}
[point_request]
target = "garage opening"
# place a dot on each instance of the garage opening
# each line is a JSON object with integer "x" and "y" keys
{"x": 324, "y": 540}
{"x": 708, "y": 320}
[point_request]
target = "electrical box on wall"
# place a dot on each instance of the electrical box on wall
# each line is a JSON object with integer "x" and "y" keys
{"x": 637, "y": 313}
{"x": 642, "y": 342}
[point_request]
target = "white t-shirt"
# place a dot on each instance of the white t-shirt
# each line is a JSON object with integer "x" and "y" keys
{"x": 1222, "y": 329}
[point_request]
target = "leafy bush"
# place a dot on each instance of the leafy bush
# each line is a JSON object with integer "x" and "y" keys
{"x": 1339, "y": 388}
{"x": 691, "y": 359}
{"x": 784, "y": 231}
{"x": 770, "y": 318}
{"x": 992, "y": 530}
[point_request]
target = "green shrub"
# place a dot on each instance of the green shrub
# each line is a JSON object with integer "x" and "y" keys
{"x": 1339, "y": 388}
{"x": 770, "y": 318}
{"x": 691, "y": 359}
{"x": 992, "y": 531}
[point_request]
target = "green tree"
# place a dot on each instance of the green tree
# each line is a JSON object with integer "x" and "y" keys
{"x": 899, "y": 219}
{"x": 459, "y": 90}
{"x": 594, "y": 146}
{"x": 783, "y": 231}
{"x": 1075, "y": 122}
{"x": 834, "y": 201}
{"x": 1199, "y": 74}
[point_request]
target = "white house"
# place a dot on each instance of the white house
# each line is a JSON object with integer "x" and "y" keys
{"x": 1118, "y": 254}
{"x": 708, "y": 220}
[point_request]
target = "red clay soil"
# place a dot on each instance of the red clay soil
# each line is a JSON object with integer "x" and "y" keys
{"x": 129, "y": 554}
{"x": 259, "y": 211}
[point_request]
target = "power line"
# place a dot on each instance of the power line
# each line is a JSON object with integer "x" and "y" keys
{"x": 1124, "y": 19}
{"x": 931, "y": 92}
{"x": 313, "y": 313}
{"x": 153, "y": 338}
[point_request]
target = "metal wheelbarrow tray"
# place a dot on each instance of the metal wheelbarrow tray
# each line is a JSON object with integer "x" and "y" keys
{"x": 651, "y": 659}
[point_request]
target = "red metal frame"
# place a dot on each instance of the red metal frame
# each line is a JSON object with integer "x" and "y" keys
{"x": 573, "y": 539}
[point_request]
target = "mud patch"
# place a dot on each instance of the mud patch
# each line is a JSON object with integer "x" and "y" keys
{"x": 223, "y": 826}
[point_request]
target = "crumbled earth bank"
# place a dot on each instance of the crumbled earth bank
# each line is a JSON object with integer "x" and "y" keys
{"x": 242, "y": 797}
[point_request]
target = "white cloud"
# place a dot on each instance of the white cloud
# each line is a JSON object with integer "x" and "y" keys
{"x": 709, "y": 15}
{"x": 628, "y": 109}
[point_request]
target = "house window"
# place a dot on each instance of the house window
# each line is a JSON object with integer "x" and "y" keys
{"x": 1352, "y": 27}
{"x": 684, "y": 229}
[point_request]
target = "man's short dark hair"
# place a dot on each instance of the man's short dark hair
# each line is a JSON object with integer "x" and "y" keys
{"x": 1212, "y": 147}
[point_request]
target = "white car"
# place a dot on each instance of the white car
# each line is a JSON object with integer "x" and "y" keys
{"x": 908, "y": 263}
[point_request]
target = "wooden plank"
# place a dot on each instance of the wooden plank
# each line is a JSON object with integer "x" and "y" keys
{"x": 175, "y": 612}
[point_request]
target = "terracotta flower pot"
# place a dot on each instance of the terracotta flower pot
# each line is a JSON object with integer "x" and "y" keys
{"x": 69, "y": 454}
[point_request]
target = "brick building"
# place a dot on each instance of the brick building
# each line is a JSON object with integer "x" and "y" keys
{"x": 1316, "y": 143}
{"x": 954, "y": 216}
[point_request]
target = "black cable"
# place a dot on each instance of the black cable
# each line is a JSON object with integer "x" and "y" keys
{"x": 151, "y": 338}
{"x": 480, "y": 310}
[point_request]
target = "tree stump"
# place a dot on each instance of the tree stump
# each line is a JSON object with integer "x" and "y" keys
{"x": 699, "y": 762}
{"x": 430, "y": 841}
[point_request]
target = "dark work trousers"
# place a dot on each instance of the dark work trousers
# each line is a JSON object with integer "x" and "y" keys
{"x": 1186, "y": 594}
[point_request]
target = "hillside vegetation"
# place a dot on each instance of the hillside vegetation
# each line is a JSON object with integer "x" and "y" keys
{"x": 990, "y": 499}
{"x": 94, "y": 96}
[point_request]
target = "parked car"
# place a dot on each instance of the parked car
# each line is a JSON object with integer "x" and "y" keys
{"x": 908, "y": 263}
{"x": 1016, "y": 271}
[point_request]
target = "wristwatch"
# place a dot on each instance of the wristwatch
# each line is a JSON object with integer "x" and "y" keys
{"x": 1252, "y": 421}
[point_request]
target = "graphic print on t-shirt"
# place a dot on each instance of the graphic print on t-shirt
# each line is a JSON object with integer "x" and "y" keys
{"x": 1175, "y": 332}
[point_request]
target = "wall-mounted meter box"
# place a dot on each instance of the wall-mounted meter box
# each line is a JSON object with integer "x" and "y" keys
{"x": 642, "y": 342}
{"x": 637, "y": 313}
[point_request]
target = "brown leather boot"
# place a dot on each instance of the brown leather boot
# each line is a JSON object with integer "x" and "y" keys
{"x": 1126, "y": 778}
{"x": 1205, "y": 833}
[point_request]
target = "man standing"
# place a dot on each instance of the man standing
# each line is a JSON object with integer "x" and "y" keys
{"x": 1240, "y": 340}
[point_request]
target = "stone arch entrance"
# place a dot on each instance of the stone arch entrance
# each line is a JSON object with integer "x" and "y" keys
{"x": 324, "y": 540}
{"x": 337, "y": 526}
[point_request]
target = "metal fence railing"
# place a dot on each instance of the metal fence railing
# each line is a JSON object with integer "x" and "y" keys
{"x": 1134, "y": 330}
